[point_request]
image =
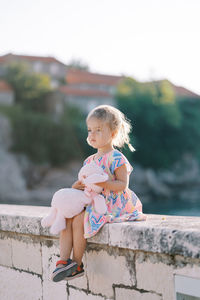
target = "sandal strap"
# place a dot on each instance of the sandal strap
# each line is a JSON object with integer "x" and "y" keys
{"x": 61, "y": 262}
{"x": 79, "y": 268}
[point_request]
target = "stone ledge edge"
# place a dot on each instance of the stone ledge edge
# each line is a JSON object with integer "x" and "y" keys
{"x": 171, "y": 235}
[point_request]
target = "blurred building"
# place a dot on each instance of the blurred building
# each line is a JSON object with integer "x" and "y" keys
{"x": 85, "y": 90}
{"x": 81, "y": 88}
{"x": 50, "y": 66}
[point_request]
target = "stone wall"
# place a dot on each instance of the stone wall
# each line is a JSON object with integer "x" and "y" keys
{"x": 124, "y": 261}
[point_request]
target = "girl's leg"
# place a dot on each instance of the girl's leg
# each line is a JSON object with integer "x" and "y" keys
{"x": 65, "y": 268}
{"x": 66, "y": 241}
{"x": 79, "y": 242}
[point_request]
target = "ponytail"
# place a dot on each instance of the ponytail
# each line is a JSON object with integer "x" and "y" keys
{"x": 122, "y": 136}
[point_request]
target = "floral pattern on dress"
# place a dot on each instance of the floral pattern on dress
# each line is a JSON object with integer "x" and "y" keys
{"x": 121, "y": 206}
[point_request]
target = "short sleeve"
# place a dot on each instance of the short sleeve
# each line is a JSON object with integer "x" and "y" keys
{"x": 87, "y": 160}
{"x": 118, "y": 160}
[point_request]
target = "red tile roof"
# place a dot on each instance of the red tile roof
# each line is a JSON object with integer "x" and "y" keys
{"x": 46, "y": 59}
{"x": 5, "y": 87}
{"x": 78, "y": 76}
{"x": 181, "y": 91}
{"x": 80, "y": 92}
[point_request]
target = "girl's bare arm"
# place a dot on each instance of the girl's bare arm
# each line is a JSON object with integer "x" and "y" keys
{"x": 120, "y": 183}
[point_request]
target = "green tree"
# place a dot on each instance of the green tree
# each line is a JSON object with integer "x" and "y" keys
{"x": 30, "y": 88}
{"x": 78, "y": 64}
{"x": 42, "y": 138}
{"x": 190, "y": 129}
{"x": 156, "y": 121}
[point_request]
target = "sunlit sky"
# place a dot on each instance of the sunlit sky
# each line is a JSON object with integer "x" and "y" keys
{"x": 145, "y": 39}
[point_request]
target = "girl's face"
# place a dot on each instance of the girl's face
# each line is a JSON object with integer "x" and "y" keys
{"x": 99, "y": 133}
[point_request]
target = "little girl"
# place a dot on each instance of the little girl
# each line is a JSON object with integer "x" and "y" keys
{"x": 107, "y": 128}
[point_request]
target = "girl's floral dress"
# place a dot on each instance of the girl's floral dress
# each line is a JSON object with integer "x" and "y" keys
{"x": 121, "y": 206}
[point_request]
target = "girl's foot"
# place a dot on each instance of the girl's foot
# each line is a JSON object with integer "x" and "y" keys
{"x": 77, "y": 273}
{"x": 63, "y": 269}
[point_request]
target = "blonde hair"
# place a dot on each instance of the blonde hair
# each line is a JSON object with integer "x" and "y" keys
{"x": 117, "y": 123}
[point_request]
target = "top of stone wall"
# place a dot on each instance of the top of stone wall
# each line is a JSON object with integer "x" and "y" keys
{"x": 173, "y": 235}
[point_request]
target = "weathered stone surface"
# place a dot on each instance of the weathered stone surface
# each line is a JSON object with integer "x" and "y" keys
{"x": 130, "y": 294}
{"x": 102, "y": 237}
{"x": 162, "y": 234}
{"x": 159, "y": 234}
{"x": 190, "y": 269}
{"x": 54, "y": 290}
{"x": 50, "y": 254}
{"x": 81, "y": 295}
{"x": 80, "y": 282}
{"x": 109, "y": 267}
{"x": 23, "y": 219}
{"x": 6, "y": 250}
{"x": 154, "y": 275}
{"x": 19, "y": 285}
{"x": 135, "y": 260}
{"x": 26, "y": 255}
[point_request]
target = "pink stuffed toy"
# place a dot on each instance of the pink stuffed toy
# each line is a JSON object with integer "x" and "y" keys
{"x": 69, "y": 202}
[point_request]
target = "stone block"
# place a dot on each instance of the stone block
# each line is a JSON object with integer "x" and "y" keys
{"x": 26, "y": 254}
{"x": 189, "y": 269}
{"x": 50, "y": 254}
{"x": 23, "y": 219}
{"x": 19, "y": 285}
{"x": 173, "y": 235}
{"x": 54, "y": 290}
{"x": 75, "y": 294}
{"x": 139, "y": 235}
{"x": 102, "y": 237}
{"x": 154, "y": 275}
{"x": 129, "y": 294}
{"x": 159, "y": 234}
{"x": 107, "y": 267}
{"x": 80, "y": 282}
{"x": 122, "y": 235}
{"x": 6, "y": 250}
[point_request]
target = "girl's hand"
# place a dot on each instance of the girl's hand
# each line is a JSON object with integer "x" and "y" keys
{"x": 78, "y": 185}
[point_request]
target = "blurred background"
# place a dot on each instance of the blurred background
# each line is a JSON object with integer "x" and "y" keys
{"x": 59, "y": 59}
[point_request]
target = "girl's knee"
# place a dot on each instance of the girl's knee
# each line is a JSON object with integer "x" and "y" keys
{"x": 68, "y": 224}
{"x": 69, "y": 221}
{"x": 77, "y": 221}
